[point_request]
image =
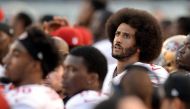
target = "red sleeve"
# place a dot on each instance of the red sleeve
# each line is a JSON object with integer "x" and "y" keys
{"x": 3, "y": 102}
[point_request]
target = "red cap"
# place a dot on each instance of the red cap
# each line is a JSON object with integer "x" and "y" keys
{"x": 70, "y": 35}
{"x": 1, "y": 14}
{"x": 3, "y": 102}
{"x": 86, "y": 34}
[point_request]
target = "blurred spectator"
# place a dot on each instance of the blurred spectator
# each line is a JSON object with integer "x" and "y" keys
{"x": 98, "y": 24}
{"x": 167, "y": 28}
{"x": 87, "y": 10}
{"x": 105, "y": 47}
{"x": 20, "y": 22}
{"x": 1, "y": 15}
{"x": 6, "y": 38}
{"x": 86, "y": 34}
{"x": 183, "y": 56}
{"x": 54, "y": 24}
{"x": 183, "y": 25}
{"x": 59, "y": 25}
{"x": 72, "y": 36}
{"x": 101, "y": 40}
{"x": 62, "y": 46}
{"x": 167, "y": 58}
{"x": 3, "y": 102}
{"x": 55, "y": 78}
{"x": 175, "y": 92}
{"x": 46, "y": 18}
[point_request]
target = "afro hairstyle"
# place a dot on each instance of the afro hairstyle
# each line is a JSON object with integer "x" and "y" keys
{"x": 148, "y": 35}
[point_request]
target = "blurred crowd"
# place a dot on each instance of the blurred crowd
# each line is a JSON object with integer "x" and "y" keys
{"x": 126, "y": 59}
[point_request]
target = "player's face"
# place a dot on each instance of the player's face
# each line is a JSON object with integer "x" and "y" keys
{"x": 18, "y": 63}
{"x": 75, "y": 76}
{"x": 54, "y": 79}
{"x": 124, "y": 42}
{"x": 183, "y": 55}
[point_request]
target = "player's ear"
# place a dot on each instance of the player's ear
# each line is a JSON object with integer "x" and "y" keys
{"x": 93, "y": 79}
{"x": 138, "y": 50}
{"x": 93, "y": 76}
{"x": 37, "y": 65}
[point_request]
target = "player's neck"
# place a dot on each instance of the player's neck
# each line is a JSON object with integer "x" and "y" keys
{"x": 95, "y": 89}
{"x": 184, "y": 67}
{"x": 30, "y": 80}
{"x": 121, "y": 64}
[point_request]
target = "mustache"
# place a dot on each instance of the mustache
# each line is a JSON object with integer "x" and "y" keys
{"x": 117, "y": 45}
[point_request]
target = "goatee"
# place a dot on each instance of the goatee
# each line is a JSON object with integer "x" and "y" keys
{"x": 127, "y": 53}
